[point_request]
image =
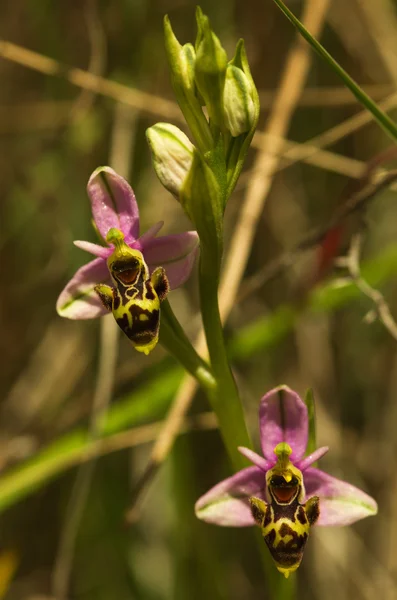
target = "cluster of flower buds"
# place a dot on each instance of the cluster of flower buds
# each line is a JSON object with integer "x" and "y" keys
{"x": 220, "y": 104}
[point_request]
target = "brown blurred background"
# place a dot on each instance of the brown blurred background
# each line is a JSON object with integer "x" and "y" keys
{"x": 299, "y": 328}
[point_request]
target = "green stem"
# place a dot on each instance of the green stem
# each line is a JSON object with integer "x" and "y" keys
{"x": 225, "y": 400}
{"x": 175, "y": 340}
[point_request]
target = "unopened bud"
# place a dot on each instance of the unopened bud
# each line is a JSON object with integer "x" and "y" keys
{"x": 172, "y": 154}
{"x": 210, "y": 69}
{"x": 239, "y": 107}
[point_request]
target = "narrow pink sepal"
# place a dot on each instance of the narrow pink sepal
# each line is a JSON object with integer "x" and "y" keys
{"x": 309, "y": 460}
{"x": 340, "y": 502}
{"x": 113, "y": 203}
{"x": 227, "y": 503}
{"x": 283, "y": 418}
{"x": 176, "y": 253}
{"x": 255, "y": 458}
{"x": 94, "y": 249}
{"x": 78, "y": 300}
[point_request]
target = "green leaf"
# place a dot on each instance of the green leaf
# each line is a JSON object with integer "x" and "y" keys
{"x": 147, "y": 403}
{"x": 380, "y": 117}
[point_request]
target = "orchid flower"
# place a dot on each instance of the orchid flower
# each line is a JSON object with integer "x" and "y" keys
{"x": 283, "y": 492}
{"x": 116, "y": 218}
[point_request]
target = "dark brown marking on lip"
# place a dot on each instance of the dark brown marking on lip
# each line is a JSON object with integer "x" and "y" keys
{"x": 149, "y": 291}
{"x": 116, "y": 301}
{"x": 301, "y": 516}
{"x": 122, "y": 322}
{"x": 270, "y": 537}
{"x": 287, "y": 530}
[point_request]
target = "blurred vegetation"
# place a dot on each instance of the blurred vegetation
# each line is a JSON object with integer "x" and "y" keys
{"x": 53, "y": 135}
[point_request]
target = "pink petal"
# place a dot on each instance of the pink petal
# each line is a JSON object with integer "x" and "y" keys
{"x": 176, "y": 253}
{"x": 340, "y": 503}
{"x": 78, "y": 300}
{"x": 227, "y": 503}
{"x": 150, "y": 233}
{"x": 283, "y": 418}
{"x": 256, "y": 459}
{"x": 94, "y": 249}
{"x": 309, "y": 460}
{"x": 113, "y": 203}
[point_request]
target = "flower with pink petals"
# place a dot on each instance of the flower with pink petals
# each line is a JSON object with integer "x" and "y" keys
{"x": 114, "y": 207}
{"x": 283, "y": 492}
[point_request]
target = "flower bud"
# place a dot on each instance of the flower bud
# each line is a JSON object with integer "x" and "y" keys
{"x": 172, "y": 154}
{"x": 210, "y": 69}
{"x": 182, "y": 63}
{"x": 239, "y": 107}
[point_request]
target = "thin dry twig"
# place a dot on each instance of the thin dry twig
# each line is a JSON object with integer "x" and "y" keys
{"x": 142, "y": 101}
{"x": 355, "y": 202}
{"x": 330, "y": 96}
{"x": 381, "y": 311}
{"x": 382, "y": 22}
{"x": 142, "y": 435}
{"x": 287, "y": 96}
{"x": 311, "y": 151}
{"x": 96, "y": 65}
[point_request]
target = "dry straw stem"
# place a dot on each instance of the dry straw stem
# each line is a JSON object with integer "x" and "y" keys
{"x": 381, "y": 27}
{"x": 144, "y": 102}
{"x": 89, "y": 81}
{"x": 286, "y": 98}
{"x": 330, "y": 96}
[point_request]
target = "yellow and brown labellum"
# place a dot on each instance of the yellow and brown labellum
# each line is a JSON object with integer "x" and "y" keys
{"x": 135, "y": 298}
{"x": 284, "y": 521}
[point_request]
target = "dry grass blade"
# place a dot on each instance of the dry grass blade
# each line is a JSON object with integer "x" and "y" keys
{"x": 166, "y": 109}
{"x": 141, "y": 101}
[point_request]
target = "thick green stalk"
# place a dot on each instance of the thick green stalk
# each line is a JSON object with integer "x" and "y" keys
{"x": 225, "y": 399}
{"x": 175, "y": 340}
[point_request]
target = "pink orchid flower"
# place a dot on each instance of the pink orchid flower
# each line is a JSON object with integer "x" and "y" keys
{"x": 114, "y": 206}
{"x": 283, "y": 421}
